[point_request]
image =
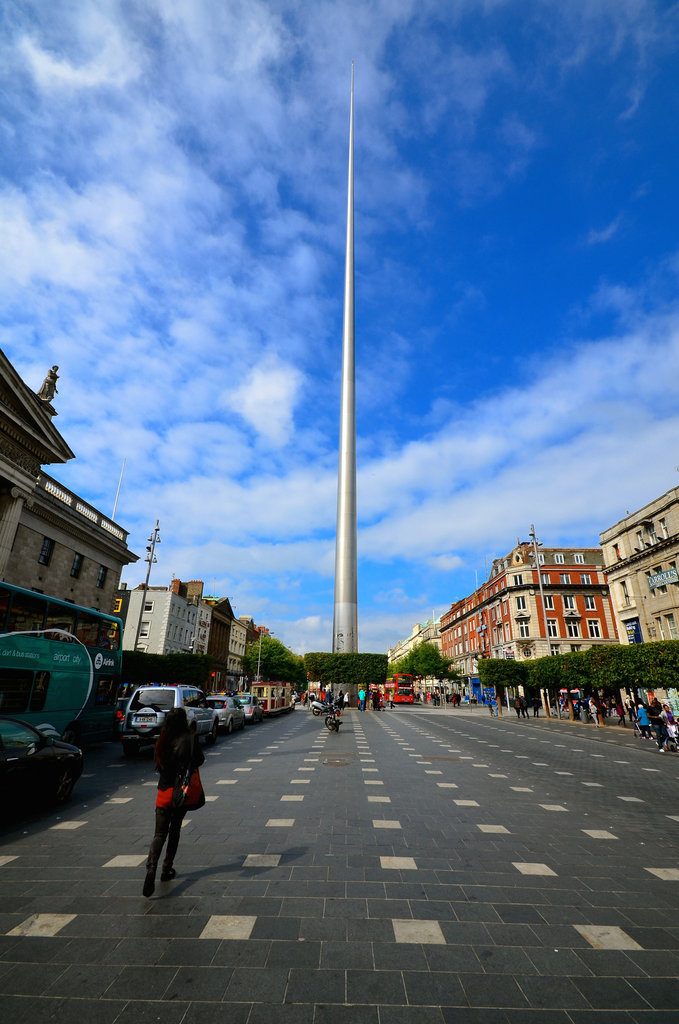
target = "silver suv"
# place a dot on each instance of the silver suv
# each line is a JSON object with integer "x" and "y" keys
{"x": 146, "y": 710}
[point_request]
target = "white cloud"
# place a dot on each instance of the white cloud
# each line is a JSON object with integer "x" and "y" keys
{"x": 266, "y": 399}
{"x": 605, "y": 234}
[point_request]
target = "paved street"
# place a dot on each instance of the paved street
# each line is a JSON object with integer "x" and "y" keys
{"x": 421, "y": 867}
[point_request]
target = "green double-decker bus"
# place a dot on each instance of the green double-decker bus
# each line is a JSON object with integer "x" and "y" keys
{"x": 59, "y": 665}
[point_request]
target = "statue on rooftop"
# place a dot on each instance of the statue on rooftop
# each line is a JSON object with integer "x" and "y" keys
{"x": 49, "y": 385}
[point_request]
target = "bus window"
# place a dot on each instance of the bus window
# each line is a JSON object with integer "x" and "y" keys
{"x": 88, "y": 629}
{"x": 109, "y": 636}
{"x": 15, "y": 688}
{"x": 4, "y": 607}
{"x": 106, "y": 692}
{"x": 27, "y": 614}
{"x": 39, "y": 694}
{"x": 60, "y": 618}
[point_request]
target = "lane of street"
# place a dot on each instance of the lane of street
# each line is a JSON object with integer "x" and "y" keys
{"x": 419, "y": 866}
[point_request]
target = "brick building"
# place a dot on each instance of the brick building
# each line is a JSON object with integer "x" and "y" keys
{"x": 505, "y": 617}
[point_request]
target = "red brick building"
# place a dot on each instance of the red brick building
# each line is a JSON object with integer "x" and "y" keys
{"x": 506, "y": 618}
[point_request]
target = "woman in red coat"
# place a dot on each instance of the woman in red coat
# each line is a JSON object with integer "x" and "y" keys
{"x": 176, "y": 750}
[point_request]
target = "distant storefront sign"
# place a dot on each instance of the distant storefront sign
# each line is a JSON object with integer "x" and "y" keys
{"x": 633, "y": 628}
{"x": 661, "y": 578}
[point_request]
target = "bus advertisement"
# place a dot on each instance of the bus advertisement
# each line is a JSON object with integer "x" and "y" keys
{"x": 399, "y": 689}
{"x": 60, "y": 665}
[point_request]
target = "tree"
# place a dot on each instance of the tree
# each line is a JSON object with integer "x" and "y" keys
{"x": 502, "y": 673}
{"x": 275, "y": 661}
{"x": 427, "y": 660}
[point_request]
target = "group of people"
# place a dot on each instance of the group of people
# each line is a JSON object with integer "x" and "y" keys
{"x": 660, "y": 718}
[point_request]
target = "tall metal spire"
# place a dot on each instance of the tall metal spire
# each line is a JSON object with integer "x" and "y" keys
{"x": 345, "y": 617}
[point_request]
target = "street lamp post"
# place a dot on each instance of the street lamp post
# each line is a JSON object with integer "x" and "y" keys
{"x": 536, "y": 545}
{"x": 259, "y": 653}
{"x": 150, "y": 558}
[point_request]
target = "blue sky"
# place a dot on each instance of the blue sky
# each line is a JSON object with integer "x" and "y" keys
{"x": 172, "y": 216}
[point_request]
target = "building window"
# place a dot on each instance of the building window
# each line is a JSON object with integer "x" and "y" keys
{"x": 541, "y": 558}
{"x": 559, "y": 559}
{"x": 101, "y": 576}
{"x": 625, "y": 592}
{"x": 148, "y": 607}
{"x": 672, "y": 626}
{"x": 661, "y": 631}
{"x": 616, "y": 552}
{"x": 640, "y": 540}
{"x": 569, "y": 602}
{"x": 46, "y": 551}
{"x": 663, "y": 527}
{"x": 585, "y": 578}
{"x": 76, "y": 568}
{"x": 575, "y": 647}
{"x": 553, "y": 649}
{"x": 593, "y": 629}
{"x": 573, "y": 628}
{"x": 524, "y": 629}
{"x": 552, "y": 627}
{"x": 545, "y": 578}
{"x": 652, "y": 535}
{"x": 518, "y": 580}
{"x": 565, "y": 578}
{"x": 590, "y": 603}
{"x": 579, "y": 559}
{"x": 549, "y": 602}
{"x": 145, "y": 628}
{"x": 521, "y": 604}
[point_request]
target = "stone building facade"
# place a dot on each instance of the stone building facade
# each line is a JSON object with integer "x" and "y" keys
{"x": 51, "y": 540}
{"x": 642, "y": 563}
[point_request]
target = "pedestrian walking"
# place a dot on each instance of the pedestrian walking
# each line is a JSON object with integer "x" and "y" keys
{"x": 177, "y": 758}
{"x": 524, "y": 707}
{"x": 594, "y": 711}
{"x": 346, "y": 699}
{"x": 517, "y": 707}
{"x": 629, "y": 704}
{"x": 536, "y": 707}
{"x": 655, "y": 714}
{"x": 361, "y": 699}
{"x": 620, "y": 712}
{"x": 643, "y": 721}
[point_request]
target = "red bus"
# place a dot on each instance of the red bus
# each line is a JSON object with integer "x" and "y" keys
{"x": 399, "y": 688}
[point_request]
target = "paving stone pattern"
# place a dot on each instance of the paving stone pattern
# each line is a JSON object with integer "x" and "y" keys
{"x": 503, "y": 872}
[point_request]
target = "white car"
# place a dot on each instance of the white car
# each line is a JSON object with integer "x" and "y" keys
{"x": 148, "y": 706}
{"x": 229, "y": 711}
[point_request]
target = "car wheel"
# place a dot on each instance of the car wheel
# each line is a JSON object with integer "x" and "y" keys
{"x": 71, "y": 735}
{"x": 211, "y": 737}
{"x": 130, "y": 748}
{"x": 229, "y": 727}
{"x": 64, "y": 784}
{"x": 242, "y": 723}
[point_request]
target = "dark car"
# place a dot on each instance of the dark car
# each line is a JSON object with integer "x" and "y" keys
{"x": 35, "y": 768}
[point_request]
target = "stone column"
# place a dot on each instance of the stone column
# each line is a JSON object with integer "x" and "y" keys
{"x": 11, "y": 506}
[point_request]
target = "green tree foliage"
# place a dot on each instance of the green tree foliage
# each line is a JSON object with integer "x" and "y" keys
{"x": 346, "y": 671}
{"x": 646, "y": 666}
{"x": 276, "y": 662}
{"x": 424, "y": 660}
{"x": 139, "y": 667}
{"x": 502, "y": 673}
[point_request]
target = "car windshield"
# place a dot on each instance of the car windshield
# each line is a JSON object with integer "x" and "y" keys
{"x": 162, "y": 700}
{"x": 244, "y": 700}
{"x": 218, "y": 702}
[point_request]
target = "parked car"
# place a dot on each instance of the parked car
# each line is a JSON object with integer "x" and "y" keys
{"x": 35, "y": 768}
{"x": 251, "y": 707}
{"x": 148, "y": 706}
{"x": 229, "y": 711}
